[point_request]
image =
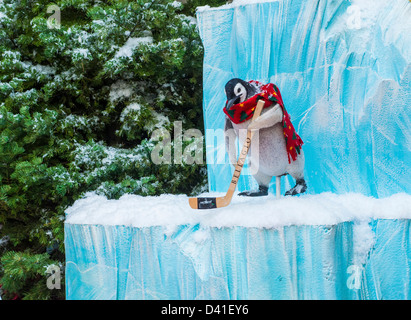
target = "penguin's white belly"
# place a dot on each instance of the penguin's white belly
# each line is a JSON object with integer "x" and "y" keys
{"x": 271, "y": 156}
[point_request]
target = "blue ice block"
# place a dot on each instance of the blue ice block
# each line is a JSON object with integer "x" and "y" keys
{"x": 291, "y": 262}
{"x": 324, "y": 246}
{"x": 344, "y": 71}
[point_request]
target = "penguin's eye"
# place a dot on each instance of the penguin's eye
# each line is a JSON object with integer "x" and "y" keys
{"x": 239, "y": 89}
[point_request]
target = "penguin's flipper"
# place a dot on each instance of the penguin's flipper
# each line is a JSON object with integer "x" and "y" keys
{"x": 262, "y": 191}
{"x": 273, "y": 116}
{"x": 300, "y": 187}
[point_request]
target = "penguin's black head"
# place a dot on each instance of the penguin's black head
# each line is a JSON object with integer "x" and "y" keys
{"x": 238, "y": 91}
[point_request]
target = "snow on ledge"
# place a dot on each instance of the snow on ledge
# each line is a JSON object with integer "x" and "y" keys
{"x": 234, "y": 4}
{"x": 264, "y": 212}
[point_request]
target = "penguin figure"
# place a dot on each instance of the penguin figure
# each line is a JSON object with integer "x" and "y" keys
{"x": 272, "y": 153}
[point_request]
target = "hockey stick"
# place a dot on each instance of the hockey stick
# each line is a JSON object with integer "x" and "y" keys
{"x": 219, "y": 202}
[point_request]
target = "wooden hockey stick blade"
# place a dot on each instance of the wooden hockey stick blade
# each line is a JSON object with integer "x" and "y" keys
{"x": 219, "y": 202}
{"x": 209, "y": 202}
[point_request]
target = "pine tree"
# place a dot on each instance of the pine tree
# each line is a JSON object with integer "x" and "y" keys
{"x": 79, "y": 101}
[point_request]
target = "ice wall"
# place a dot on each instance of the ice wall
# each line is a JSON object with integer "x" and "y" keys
{"x": 313, "y": 247}
{"x": 344, "y": 71}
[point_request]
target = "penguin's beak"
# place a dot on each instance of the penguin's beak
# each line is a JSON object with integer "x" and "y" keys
{"x": 231, "y": 102}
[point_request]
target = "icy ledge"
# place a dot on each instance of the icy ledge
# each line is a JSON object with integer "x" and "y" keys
{"x": 324, "y": 246}
{"x": 265, "y": 212}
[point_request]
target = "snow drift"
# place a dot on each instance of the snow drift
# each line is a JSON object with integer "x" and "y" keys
{"x": 171, "y": 211}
